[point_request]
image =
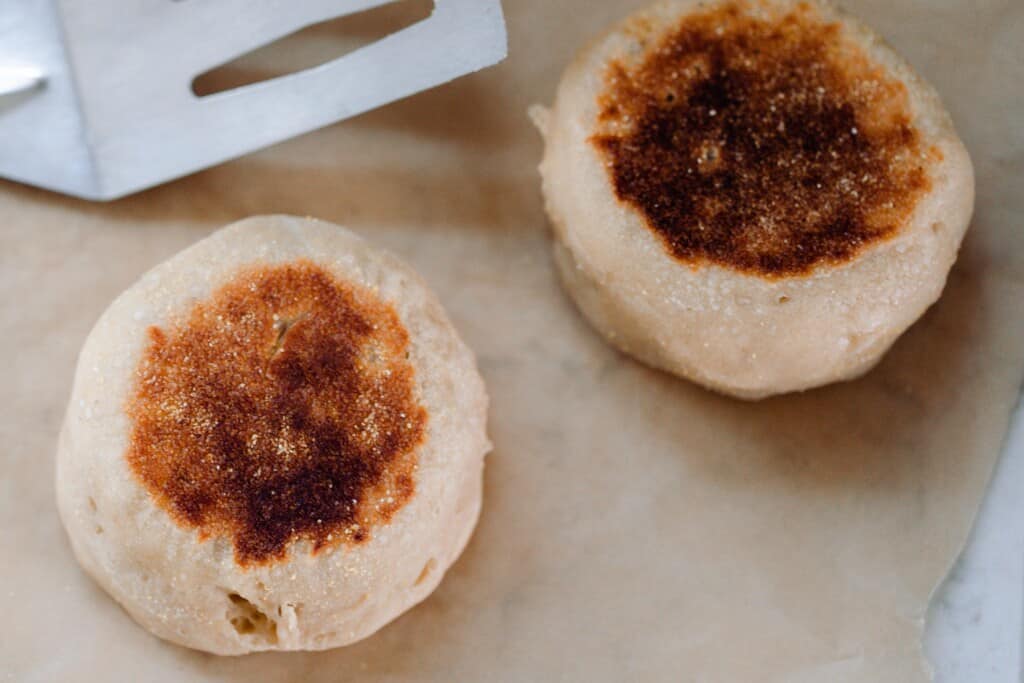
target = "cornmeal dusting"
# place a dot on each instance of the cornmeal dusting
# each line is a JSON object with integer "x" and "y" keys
{"x": 760, "y": 141}
{"x": 281, "y": 408}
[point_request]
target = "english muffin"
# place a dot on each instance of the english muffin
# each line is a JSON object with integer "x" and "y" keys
{"x": 275, "y": 441}
{"x": 757, "y": 195}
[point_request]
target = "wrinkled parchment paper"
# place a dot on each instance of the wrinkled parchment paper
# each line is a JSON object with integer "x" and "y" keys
{"x": 635, "y": 527}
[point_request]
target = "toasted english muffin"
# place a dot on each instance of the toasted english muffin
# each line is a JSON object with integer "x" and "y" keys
{"x": 275, "y": 441}
{"x": 757, "y": 195}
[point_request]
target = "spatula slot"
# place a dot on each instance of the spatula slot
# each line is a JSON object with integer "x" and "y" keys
{"x": 312, "y": 46}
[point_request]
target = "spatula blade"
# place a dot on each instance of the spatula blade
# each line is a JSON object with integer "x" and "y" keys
{"x": 138, "y": 122}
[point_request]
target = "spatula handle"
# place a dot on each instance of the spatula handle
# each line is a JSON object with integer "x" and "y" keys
{"x": 16, "y": 79}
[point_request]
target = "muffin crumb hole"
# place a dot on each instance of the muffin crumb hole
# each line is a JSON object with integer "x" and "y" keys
{"x": 248, "y": 620}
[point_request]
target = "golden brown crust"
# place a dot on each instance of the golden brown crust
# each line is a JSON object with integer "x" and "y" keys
{"x": 281, "y": 408}
{"x": 766, "y": 145}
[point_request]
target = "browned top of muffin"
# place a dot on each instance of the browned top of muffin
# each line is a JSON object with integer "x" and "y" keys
{"x": 281, "y": 408}
{"x": 764, "y": 141}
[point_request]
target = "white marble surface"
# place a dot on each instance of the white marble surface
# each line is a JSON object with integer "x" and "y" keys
{"x": 975, "y": 630}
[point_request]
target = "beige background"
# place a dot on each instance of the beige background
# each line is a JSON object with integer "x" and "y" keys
{"x": 634, "y": 527}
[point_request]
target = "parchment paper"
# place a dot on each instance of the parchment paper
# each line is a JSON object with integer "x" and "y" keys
{"x": 634, "y": 527}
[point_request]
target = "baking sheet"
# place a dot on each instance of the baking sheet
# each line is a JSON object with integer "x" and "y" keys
{"x": 634, "y": 527}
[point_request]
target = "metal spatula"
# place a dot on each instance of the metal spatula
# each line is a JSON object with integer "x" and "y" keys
{"x": 95, "y": 96}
